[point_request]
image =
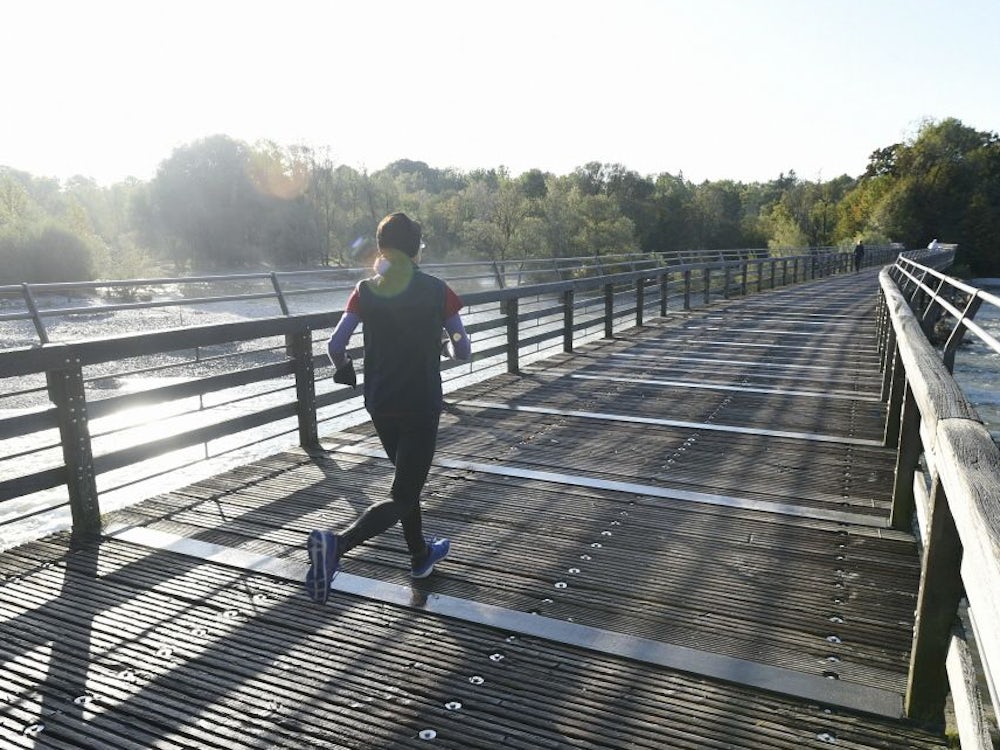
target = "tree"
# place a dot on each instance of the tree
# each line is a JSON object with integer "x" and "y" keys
{"x": 205, "y": 202}
{"x": 43, "y": 253}
{"x": 943, "y": 183}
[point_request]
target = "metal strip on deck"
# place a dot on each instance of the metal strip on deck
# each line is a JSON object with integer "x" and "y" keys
{"x": 835, "y": 693}
{"x": 718, "y": 387}
{"x": 608, "y": 417}
{"x": 369, "y": 448}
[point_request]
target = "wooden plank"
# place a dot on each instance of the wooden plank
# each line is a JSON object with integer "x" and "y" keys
{"x": 705, "y": 664}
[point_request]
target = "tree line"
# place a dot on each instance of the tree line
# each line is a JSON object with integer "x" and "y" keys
{"x": 222, "y": 205}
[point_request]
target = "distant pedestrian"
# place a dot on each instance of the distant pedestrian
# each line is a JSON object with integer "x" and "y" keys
{"x": 859, "y": 256}
{"x": 404, "y": 312}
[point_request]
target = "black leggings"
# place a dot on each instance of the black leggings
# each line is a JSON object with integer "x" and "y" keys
{"x": 409, "y": 443}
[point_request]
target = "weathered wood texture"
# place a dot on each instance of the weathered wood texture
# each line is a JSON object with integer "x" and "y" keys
{"x": 965, "y": 465}
{"x": 120, "y": 645}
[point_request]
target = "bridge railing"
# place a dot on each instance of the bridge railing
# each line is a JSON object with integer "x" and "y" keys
{"x": 117, "y": 415}
{"x": 948, "y": 480}
{"x": 44, "y": 312}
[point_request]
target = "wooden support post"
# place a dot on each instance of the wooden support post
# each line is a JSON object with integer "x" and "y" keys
{"x": 67, "y": 393}
{"x": 907, "y": 458}
{"x": 774, "y": 271}
{"x": 784, "y": 271}
{"x": 937, "y": 608}
{"x": 687, "y": 289}
{"x": 707, "y": 275}
{"x": 897, "y": 384}
{"x": 609, "y": 311}
{"x": 299, "y": 347}
{"x": 640, "y": 300}
{"x": 727, "y": 279}
{"x": 886, "y": 362}
{"x": 568, "y": 309}
{"x": 760, "y": 276}
{"x": 664, "y": 293}
{"x": 510, "y": 310}
{"x": 743, "y": 283}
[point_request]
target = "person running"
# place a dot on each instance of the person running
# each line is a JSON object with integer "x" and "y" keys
{"x": 859, "y": 256}
{"x": 404, "y": 311}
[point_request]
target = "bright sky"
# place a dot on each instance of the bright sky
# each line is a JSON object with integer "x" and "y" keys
{"x": 716, "y": 89}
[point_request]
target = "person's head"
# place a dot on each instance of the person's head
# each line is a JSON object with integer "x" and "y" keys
{"x": 399, "y": 232}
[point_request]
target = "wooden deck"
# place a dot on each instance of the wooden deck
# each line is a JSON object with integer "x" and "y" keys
{"x": 676, "y": 538}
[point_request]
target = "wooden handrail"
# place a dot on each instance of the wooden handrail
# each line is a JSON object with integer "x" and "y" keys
{"x": 957, "y": 504}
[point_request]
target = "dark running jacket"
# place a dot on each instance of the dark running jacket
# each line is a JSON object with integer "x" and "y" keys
{"x": 402, "y": 334}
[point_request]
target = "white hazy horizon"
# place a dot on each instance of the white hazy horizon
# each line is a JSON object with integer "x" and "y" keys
{"x": 713, "y": 89}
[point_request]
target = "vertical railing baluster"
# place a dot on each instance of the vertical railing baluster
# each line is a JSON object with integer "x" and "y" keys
{"x": 568, "y": 309}
{"x": 640, "y": 300}
{"x": 937, "y": 610}
{"x": 66, "y": 391}
{"x": 511, "y": 312}
{"x": 897, "y": 381}
{"x": 907, "y": 459}
{"x": 609, "y": 311}
{"x": 299, "y": 347}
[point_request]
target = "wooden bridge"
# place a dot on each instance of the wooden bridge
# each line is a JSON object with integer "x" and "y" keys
{"x": 689, "y": 533}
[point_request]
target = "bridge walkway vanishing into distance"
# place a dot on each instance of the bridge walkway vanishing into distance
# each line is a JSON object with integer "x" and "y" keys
{"x": 675, "y": 537}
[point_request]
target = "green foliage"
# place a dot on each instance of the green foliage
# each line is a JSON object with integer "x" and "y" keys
{"x": 219, "y": 204}
{"x": 43, "y": 253}
{"x": 944, "y": 183}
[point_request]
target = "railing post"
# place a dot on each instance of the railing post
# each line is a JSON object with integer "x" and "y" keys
{"x": 774, "y": 272}
{"x": 760, "y": 276}
{"x": 937, "y": 608}
{"x": 609, "y": 311}
{"x": 886, "y": 363}
{"x": 664, "y": 293}
{"x": 743, "y": 284}
{"x": 67, "y": 393}
{"x": 510, "y": 310}
{"x": 687, "y": 289}
{"x": 907, "y": 458}
{"x": 568, "y": 309}
{"x": 951, "y": 345}
{"x": 897, "y": 383}
{"x": 640, "y": 300}
{"x": 707, "y": 274}
{"x": 299, "y": 347}
{"x": 784, "y": 271}
{"x": 29, "y": 302}
{"x": 727, "y": 279}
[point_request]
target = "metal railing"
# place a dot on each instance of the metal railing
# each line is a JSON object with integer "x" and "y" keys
{"x": 113, "y": 415}
{"x": 35, "y": 305}
{"x": 947, "y": 483}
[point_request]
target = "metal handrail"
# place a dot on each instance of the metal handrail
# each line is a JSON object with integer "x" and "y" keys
{"x": 932, "y": 301}
{"x": 281, "y": 286}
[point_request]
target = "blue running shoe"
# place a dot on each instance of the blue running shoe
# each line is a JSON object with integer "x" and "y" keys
{"x": 324, "y": 558}
{"x": 436, "y": 552}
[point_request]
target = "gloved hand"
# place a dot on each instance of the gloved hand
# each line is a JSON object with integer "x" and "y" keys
{"x": 345, "y": 374}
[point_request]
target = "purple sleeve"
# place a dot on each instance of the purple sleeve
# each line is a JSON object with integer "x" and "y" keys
{"x": 461, "y": 347}
{"x": 336, "y": 347}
